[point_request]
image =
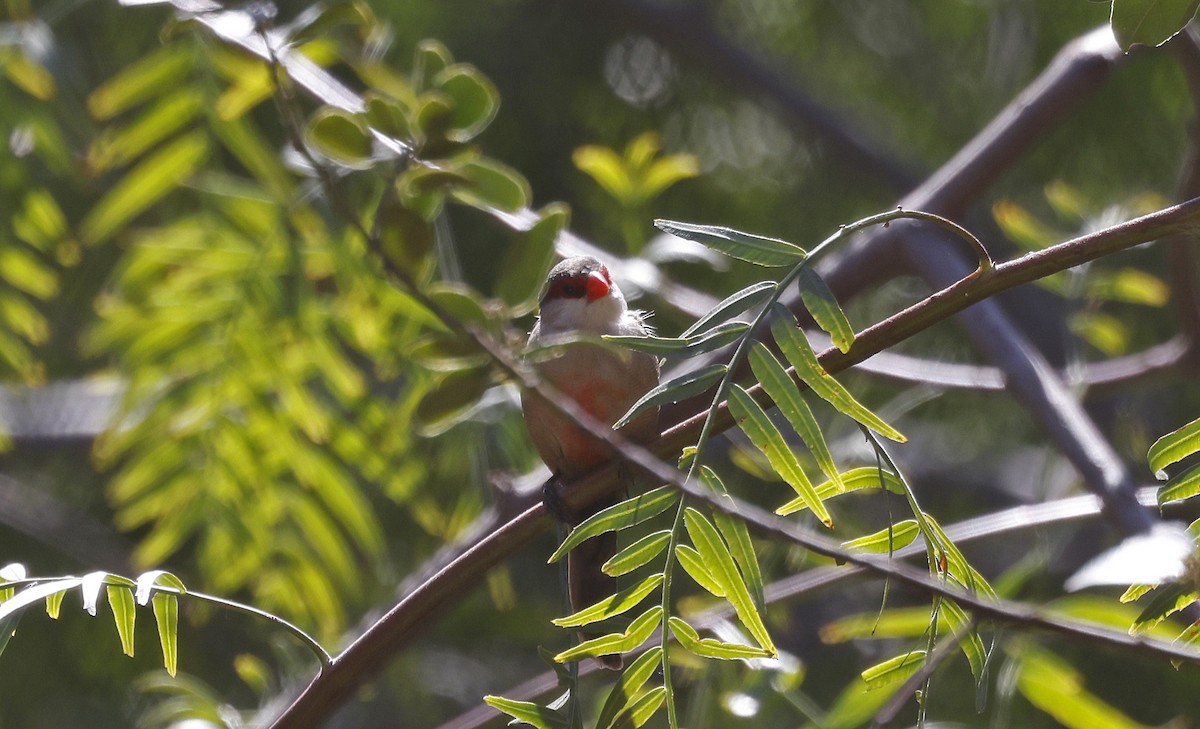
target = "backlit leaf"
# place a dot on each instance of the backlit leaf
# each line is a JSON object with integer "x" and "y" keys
{"x": 766, "y": 437}
{"x": 637, "y": 633}
{"x": 693, "y": 564}
{"x": 617, "y": 604}
{"x": 166, "y": 616}
{"x": 527, "y": 261}
{"x": 747, "y": 247}
{"x": 1172, "y": 447}
{"x": 637, "y": 554}
{"x": 679, "y": 388}
{"x": 799, "y": 353}
{"x": 1183, "y": 486}
{"x": 824, "y": 308}
{"x": 489, "y": 185}
{"x": 156, "y": 73}
{"x": 628, "y": 686}
{"x": 120, "y": 600}
{"x": 475, "y": 100}
{"x": 733, "y": 305}
{"x": 720, "y": 563}
{"x": 527, "y": 712}
{"x": 690, "y": 346}
{"x": 710, "y": 647}
{"x": 893, "y": 670}
{"x": 1150, "y": 22}
{"x": 783, "y": 390}
{"x": 1052, "y": 685}
{"x": 619, "y": 516}
{"x": 340, "y": 136}
{"x": 884, "y": 541}
{"x": 144, "y": 185}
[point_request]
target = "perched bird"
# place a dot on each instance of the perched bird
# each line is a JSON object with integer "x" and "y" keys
{"x": 581, "y": 297}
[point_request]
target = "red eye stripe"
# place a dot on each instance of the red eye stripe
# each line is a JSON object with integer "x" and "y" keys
{"x": 573, "y": 287}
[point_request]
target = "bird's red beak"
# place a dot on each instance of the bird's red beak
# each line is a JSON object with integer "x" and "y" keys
{"x": 597, "y": 286}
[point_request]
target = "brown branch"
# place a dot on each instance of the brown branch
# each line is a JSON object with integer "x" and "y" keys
{"x": 1181, "y": 250}
{"x": 1110, "y": 373}
{"x": 1016, "y": 518}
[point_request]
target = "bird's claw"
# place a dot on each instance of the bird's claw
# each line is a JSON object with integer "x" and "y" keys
{"x": 552, "y": 500}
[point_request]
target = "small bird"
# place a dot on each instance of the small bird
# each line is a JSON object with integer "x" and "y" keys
{"x": 581, "y": 297}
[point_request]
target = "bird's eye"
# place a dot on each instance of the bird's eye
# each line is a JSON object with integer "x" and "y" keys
{"x": 571, "y": 288}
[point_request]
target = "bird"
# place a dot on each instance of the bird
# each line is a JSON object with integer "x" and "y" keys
{"x": 581, "y": 297}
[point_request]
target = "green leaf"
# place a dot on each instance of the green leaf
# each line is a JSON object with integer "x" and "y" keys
{"x": 885, "y": 541}
{"x": 1150, "y": 22}
{"x": 618, "y": 516}
{"x": 766, "y": 437}
{"x": 747, "y": 247}
{"x": 35, "y": 593}
{"x": 617, "y": 604}
{"x": 54, "y": 604}
{"x": 824, "y": 308}
{"x": 475, "y": 100}
{"x": 114, "y": 148}
{"x": 489, "y": 185}
{"x": 29, "y": 75}
{"x": 459, "y": 301}
{"x": 1128, "y": 285}
{"x": 637, "y": 554}
{"x": 642, "y": 709}
{"x": 716, "y": 557}
{"x": 389, "y": 117}
{"x": 783, "y": 390}
{"x": 1166, "y": 600}
{"x": 893, "y": 670}
{"x": 166, "y": 616}
{"x": 679, "y": 388}
{"x": 710, "y": 647}
{"x": 147, "y": 581}
{"x": 637, "y": 633}
{"x": 1135, "y": 592}
{"x": 1020, "y": 226}
{"x": 527, "y": 261}
{"x": 627, "y": 687}
{"x": 737, "y": 536}
{"x": 693, "y": 564}
{"x": 340, "y": 136}
{"x": 665, "y": 172}
{"x": 971, "y": 645}
{"x": 707, "y": 341}
{"x": 1172, "y": 447}
{"x": 156, "y": 73}
{"x": 528, "y": 712}
{"x": 145, "y": 185}
{"x": 733, "y": 305}
{"x": 450, "y": 401}
{"x": 800, "y": 354}
{"x": 406, "y": 238}
{"x": 120, "y": 599}
{"x": 957, "y": 565}
{"x": 607, "y": 168}
{"x": 430, "y": 59}
{"x": 1183, "y": 486}
{"x": 1053, "y": 686}
{"x": 42, "y": 224}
